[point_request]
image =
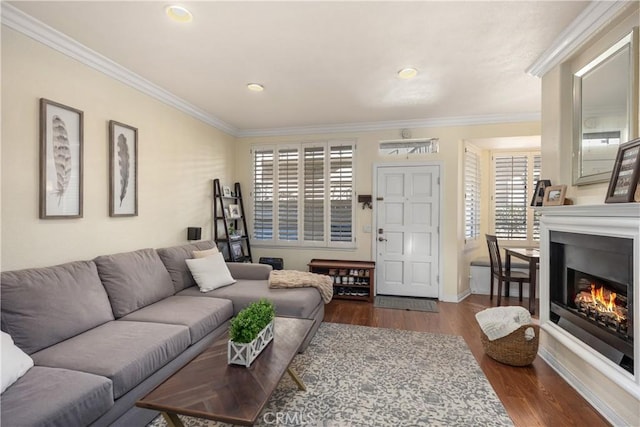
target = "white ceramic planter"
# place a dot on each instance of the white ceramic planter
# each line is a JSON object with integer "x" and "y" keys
{"x": 245, "y": 353}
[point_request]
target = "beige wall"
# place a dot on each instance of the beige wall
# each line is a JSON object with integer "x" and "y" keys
{"x": 557, "y": 112}
{"x": 178, "y": 158}
{"x": 556, "y": 165}
{"x": 455, "y": 263}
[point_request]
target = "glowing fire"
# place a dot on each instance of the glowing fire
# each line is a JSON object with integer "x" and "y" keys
{"x": 603, "y": 301}
{"x": 597, "y": 295}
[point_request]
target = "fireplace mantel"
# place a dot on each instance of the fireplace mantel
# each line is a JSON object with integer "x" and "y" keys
{"x": 613, "y": 391}
{"x": 616, "y": 210}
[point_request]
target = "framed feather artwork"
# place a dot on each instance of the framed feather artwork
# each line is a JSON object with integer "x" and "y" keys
{"x": 61, "y": 140}
{"x": 123, "y": 169}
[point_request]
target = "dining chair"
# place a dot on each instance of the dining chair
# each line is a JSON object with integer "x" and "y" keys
{"x": 498, "y": 272}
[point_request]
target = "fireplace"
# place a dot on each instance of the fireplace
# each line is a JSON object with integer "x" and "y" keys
{"x": 591, "y": 292}
{"x": 590, "y": 303}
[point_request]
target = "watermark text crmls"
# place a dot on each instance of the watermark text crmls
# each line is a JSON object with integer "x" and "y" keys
{"x": 289, "y": 418}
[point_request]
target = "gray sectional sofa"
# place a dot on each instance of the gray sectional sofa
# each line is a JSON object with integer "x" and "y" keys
{"x": 103, "y": 333}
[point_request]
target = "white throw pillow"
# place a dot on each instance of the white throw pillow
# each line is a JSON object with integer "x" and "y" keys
{"x": 15, "y": 362}
{"x": 205, "y": 253}
{"x": 210, "y": 272}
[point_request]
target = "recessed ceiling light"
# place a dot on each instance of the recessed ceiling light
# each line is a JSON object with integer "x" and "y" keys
{"x": 407, "y": 73}
{"x": 255, "y": 87}
{"x": 179, "y": 13}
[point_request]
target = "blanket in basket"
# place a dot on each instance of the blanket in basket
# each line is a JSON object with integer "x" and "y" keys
{"x": 498, "y": 322}
{"x": 302, "y": 279}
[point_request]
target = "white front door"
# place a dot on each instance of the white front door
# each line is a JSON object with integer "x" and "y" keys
{"x": 407, "y": 230}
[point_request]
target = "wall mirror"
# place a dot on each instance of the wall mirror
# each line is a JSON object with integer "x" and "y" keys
{"x": 604, "y": 110}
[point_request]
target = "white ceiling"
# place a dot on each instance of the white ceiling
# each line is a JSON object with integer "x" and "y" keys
{"x": 327, "y": 63}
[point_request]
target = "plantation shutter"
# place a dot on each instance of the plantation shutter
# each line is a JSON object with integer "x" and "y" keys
{"x": 287, "y": 190}
{"x": 263, "y": 175}
{"x": 471, "y": 194}
{"x": 341, "y": 192}
{"x": 537, "y": 160}
{"x": 314, "y": 193}
{"x": 510, "y": 196}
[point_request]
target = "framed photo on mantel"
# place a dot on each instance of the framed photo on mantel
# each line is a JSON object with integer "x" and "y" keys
{"x": 538, "y": 193}
{"x": 623, "y": 184}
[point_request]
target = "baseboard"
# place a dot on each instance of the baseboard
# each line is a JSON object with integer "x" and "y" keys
{"x": 581, "y": 388}
{"x": 456, "y": 298}
{"x": 480, "y": 282}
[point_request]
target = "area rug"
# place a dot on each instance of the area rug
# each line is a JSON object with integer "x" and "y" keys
{"x": 406, "y": 303}
{"x": 364, "y": 376}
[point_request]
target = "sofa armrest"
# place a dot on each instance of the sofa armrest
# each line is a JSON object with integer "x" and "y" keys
{"x": 247, "y": 271}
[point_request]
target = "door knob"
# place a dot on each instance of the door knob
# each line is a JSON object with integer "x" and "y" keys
{"x": 382, "y": 239}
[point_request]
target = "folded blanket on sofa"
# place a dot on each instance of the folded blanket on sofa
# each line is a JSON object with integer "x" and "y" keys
{"x": 302, "y": 279}
{"x": 498, "y": 322}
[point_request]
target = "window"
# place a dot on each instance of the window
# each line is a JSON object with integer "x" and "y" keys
{"x": 471, "y": 194}
{"x": 308, "y": 187}
{"x": 514, "y": 177}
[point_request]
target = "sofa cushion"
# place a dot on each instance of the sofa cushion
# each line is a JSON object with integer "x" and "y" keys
{"x": 134, "y": 280}
{"x": 43, "y": 306}
{"x": 56, "y": 397}
{"x": 249, "y": 271}
{"x": 298, "y": 302}
{"x": 174, "y": 260}
{"x": 125, "y": 352}
{"x": 15, "y": 362}
{"x": 200, "y": 315}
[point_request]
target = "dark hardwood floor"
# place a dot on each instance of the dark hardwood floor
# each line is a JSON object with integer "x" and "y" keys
{"x": 533, "y": 396}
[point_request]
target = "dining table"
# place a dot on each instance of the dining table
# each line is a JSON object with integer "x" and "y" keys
{"x": 532, "y": 256}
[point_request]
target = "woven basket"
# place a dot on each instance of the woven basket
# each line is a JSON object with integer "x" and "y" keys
{"x": 513, "y": 349}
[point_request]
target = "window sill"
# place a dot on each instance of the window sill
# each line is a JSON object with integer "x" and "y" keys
{"x": 297, "y": 247}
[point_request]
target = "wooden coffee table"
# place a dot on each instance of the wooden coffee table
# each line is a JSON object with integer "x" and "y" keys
{"x": 208, "y": 387}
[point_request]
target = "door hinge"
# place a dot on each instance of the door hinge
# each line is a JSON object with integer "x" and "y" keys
{"x": 437, "y": 278}
{"x": 438, "y": 229}
{"x": 438, "y": 180}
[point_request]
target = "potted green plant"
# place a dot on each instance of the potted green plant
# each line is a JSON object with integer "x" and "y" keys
{"x": 250, "y": 332}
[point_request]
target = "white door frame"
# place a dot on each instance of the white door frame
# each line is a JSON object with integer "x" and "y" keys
{"x": 374, "y": 216}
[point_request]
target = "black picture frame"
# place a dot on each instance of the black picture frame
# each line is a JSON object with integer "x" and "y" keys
{"x": 625, "y": 175}
{"x": 538, "y": 194}
{"x": 237, "y": 253}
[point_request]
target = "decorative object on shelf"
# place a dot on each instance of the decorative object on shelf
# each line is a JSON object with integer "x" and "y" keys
{"x": 61, "y": 145}
{"x": 194, "y": 233}
{"x": 623, "y": 186}
{"x": 538, "y": 194}
{"x": 236, "y": 251}
{"x": 230, "y": 224}
{"x": 554, "y": 195}
{"x": 123, "y": 169}
{"x": 250, "y": 332}
{"x": 226, "y": 191}
{"x": 234, "y": 211}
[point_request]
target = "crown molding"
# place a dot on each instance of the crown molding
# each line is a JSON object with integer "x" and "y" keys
{"x": 592, "y": 19}
{"x": 397, "y": 124}
{"x": 39, "y": 31}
